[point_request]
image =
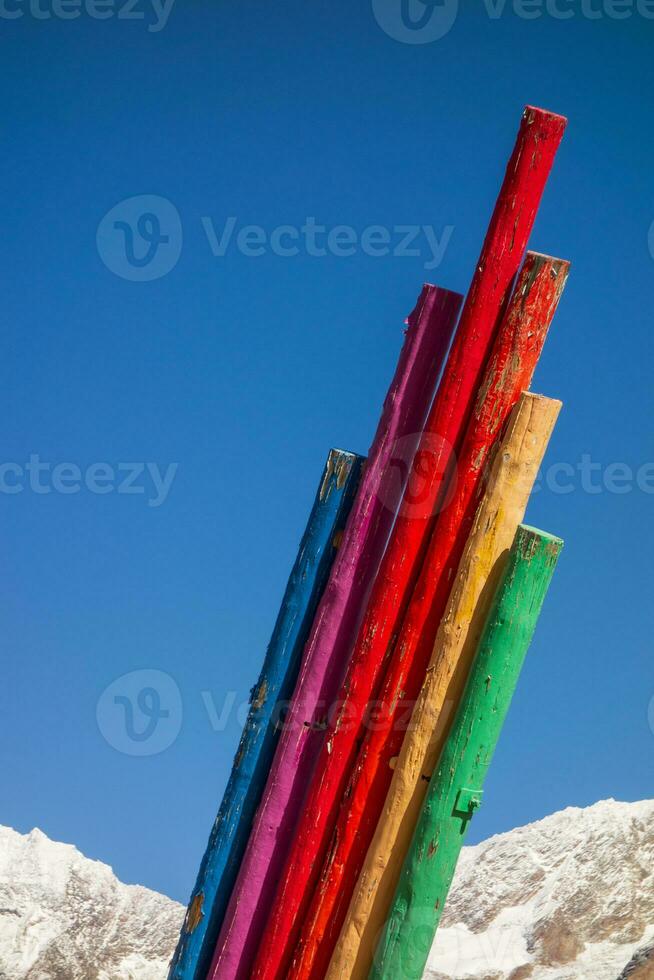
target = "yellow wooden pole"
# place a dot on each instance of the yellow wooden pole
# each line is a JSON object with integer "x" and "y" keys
{"x": 457, "y": 785}
{"x": 503, "y": 502}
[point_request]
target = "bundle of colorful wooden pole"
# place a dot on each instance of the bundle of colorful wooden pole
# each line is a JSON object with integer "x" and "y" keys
{"x": 316, "y": 646}
{"x": 338, "y": 836}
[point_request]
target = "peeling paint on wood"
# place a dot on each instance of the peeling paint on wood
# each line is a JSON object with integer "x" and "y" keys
{"x": 254, "y": 756}
{"x": 515, "y": 353}
{"x": 457, "y": 786}
{"x": 538, "y": 140}
{"x": 502, "y": 507}
{"x": 195, "y": 913}
{"x": 325, "y": 657}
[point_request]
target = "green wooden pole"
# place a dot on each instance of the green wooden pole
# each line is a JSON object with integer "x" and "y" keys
{"x": 456, "y": 786}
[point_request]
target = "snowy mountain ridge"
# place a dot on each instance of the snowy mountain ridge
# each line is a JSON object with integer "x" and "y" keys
{"x": 568, "y": 898}
{"x": 65, "y": 917}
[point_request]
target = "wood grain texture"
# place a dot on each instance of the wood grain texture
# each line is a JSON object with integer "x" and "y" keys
{"x": 456, "y": 788}
{"x": 515, "y": 354}
{"x": 429, "y": 335}
{"x": 538, "y": 139}
{"x": 504, "y": 498}
{"x": 229, "y": 836}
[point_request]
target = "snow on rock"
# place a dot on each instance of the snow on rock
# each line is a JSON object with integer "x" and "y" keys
{"x": 64, "y": 917}
{"x": 568, "y": 898}
{"x": 640, "y": 966}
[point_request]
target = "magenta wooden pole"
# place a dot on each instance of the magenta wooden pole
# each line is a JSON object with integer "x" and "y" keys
{"x": 431, "y": 327}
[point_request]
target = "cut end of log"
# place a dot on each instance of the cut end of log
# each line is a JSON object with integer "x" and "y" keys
{"x": 533, "y": 266}
{"x": 435, "y": 298}
{"x": 528, "y": 538}
{"x": 559, "y": 266}
{"x": 554, "y": 405}
{"x": 340, "y": 464}
{"x": 533, "y": 114}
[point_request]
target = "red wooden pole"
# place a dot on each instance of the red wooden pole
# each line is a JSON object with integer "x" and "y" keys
{"x": 538, "y": 140}
{"x": 515, "y": 354}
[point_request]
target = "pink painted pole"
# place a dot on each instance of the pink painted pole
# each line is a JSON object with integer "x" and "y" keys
{"x": 431, "y": 326}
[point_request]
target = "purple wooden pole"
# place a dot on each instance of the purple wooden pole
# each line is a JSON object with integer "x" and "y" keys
{"x": 431, "y": 326}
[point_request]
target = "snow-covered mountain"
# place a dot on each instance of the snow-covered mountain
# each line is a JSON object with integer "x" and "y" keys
{"x": 568, "y": 898}
{"x": 64, "y": 917}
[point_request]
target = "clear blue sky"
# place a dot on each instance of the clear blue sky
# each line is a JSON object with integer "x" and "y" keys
{"x": 244, "y": 371}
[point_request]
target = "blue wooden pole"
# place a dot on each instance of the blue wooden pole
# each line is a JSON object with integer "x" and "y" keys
{"x": 231, "y": 830}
